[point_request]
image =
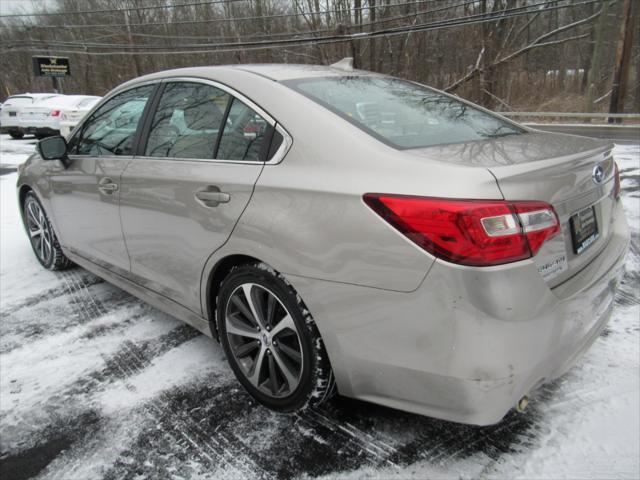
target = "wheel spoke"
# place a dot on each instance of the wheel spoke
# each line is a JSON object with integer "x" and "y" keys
{"x": 35, "y": 233}
{"x": 31, "y": 209}
{"x": 42, "y": 257}
{"x": 254, "y": 375}
{"x": 273, "y": 379}
{"x": 240, "y": 305}
{"x": 287, "y": 371}
{"x": 286, "y": 322}
{"x": 47, "y": 246}
{"x": 271, "y": 309}
{"x": 247, "y": 348}
{"x": 247, "y": 289}
{"x": 237, "y": 327}
{"x": 290, "y": 352}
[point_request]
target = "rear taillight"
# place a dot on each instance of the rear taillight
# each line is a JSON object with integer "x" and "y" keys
{"x": 54, "y": 113}
{"x": 469, "y": 232}
{"x": 616, "y": 184}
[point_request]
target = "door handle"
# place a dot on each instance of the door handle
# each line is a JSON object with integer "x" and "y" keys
{"x": 212, "y": 197}
{"x": 107, "y": 186}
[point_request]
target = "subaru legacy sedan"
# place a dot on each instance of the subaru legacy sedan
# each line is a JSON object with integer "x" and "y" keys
{"x": 341, "y": 230}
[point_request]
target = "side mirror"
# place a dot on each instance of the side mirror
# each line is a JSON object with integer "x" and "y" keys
{"x": 53, "y": 148}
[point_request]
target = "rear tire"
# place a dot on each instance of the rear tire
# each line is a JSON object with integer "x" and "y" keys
{"x": 16, "y": 135}
{"x": 280, "y": 359}
{"x": 42, "y": 235}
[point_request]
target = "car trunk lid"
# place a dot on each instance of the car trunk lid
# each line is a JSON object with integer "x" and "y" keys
{"x": 579, "y": 185}
{"x": 34, "y": 113}
{"x": 559, "y": 170}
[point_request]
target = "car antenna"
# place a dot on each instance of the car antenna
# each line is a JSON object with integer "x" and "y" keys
{"x": 346, "y": 64}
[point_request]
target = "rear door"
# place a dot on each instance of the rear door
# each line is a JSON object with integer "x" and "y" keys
{"x": 181, "y": 196}
{"x": 85, "y": 193}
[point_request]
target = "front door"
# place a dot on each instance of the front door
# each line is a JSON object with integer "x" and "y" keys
{"x": 178, "y": 202}
{"x": 85, "y": 195}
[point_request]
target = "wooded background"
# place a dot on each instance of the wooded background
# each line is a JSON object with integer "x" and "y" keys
{"x": 508, "y": 55}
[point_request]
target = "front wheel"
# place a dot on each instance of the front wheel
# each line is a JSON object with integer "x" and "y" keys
{"x": 42, "y": 236}
{"x": 271, "y": 341}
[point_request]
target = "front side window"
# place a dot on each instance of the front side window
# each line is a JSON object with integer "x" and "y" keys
{"x": 245, "y": 134}
{"x": 187, "y": 121}
{"x": 400, "y": 113}
{"x": 111, "y": 128}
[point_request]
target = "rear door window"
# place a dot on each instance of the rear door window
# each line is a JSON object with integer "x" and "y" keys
{"x": 187, "y": 122}
{"x": 245, "y": 134}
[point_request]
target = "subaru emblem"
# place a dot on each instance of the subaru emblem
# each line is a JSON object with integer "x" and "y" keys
{"x": 598, "y": 174}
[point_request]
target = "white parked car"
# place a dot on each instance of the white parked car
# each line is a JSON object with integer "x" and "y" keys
{"x": 11, "y": 108}
{"x": 43, "y": 118}
{"x": 70, "y": 117}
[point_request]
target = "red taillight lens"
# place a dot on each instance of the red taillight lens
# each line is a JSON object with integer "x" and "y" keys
{"x": 469, "y": 232}
{"x": 616, "y": 184}
{"x": 539, "y": 223}
{"x": 55, "y": 113}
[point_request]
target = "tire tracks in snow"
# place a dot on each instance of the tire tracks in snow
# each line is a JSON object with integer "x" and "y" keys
{"x": 221, "y": 448}
{"x": 218, "y": 449}
{"x": 35, "y": 300}
{"x": 362, "y": 444}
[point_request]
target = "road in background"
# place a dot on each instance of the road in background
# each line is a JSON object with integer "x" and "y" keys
{"x": 96, "y": 384}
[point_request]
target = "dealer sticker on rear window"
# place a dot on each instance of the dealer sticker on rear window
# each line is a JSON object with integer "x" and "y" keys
{"x": 553, "y": 267}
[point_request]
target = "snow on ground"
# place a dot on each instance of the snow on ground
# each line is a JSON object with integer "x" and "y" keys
{"x": 96, "y": 384}
{"x": 14, "y": 152}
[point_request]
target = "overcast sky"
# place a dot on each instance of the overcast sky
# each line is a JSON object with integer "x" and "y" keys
{"x": 21, "y": 6}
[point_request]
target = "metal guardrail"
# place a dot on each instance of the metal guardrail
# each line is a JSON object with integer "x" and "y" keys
{"x": 617, "y": 132}
{"x": 629, "y": 116}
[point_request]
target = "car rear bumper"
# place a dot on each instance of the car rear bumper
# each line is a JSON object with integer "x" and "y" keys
{"x": 469, "y": 342}
{"x": 43, "y": 131}
{"x": 10, "y": 129}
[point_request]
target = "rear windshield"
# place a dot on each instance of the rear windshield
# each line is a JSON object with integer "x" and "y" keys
{"x": 86, "y": 102}
{"x": 18, "y": 101}
{"x": 400, "y": 113}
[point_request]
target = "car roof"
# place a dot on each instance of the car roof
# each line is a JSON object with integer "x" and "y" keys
{"x": 284, "y": 71}
{"x": 34, "y": 95}
{"x": 273, "y": 71}
{"x": 66, "y": 100}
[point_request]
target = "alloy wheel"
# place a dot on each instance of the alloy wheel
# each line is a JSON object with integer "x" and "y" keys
{"x": 39, "y": 230}
{"x": 264, "y": 340}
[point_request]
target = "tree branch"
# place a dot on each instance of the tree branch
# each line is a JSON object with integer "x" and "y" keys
{"x": 552, "y": 33}
{"x": 537, "y": 43}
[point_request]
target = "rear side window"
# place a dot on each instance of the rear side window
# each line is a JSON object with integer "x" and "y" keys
{"x": 245, "y": 134}
{"x": 400, "y": 113}
{"x": 111, "y": 128}
{"x": 187, "y": 122}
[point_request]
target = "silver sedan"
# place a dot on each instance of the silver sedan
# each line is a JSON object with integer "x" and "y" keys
{"x": 340, "y": 230}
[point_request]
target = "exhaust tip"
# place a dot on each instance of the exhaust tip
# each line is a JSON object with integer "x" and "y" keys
{"x": 522, "y": 404}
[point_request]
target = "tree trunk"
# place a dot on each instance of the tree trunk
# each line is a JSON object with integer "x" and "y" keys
{"x": 623, "y": 56}
{"x": 372, "y": 41}
{"x": 594, "y": 72}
